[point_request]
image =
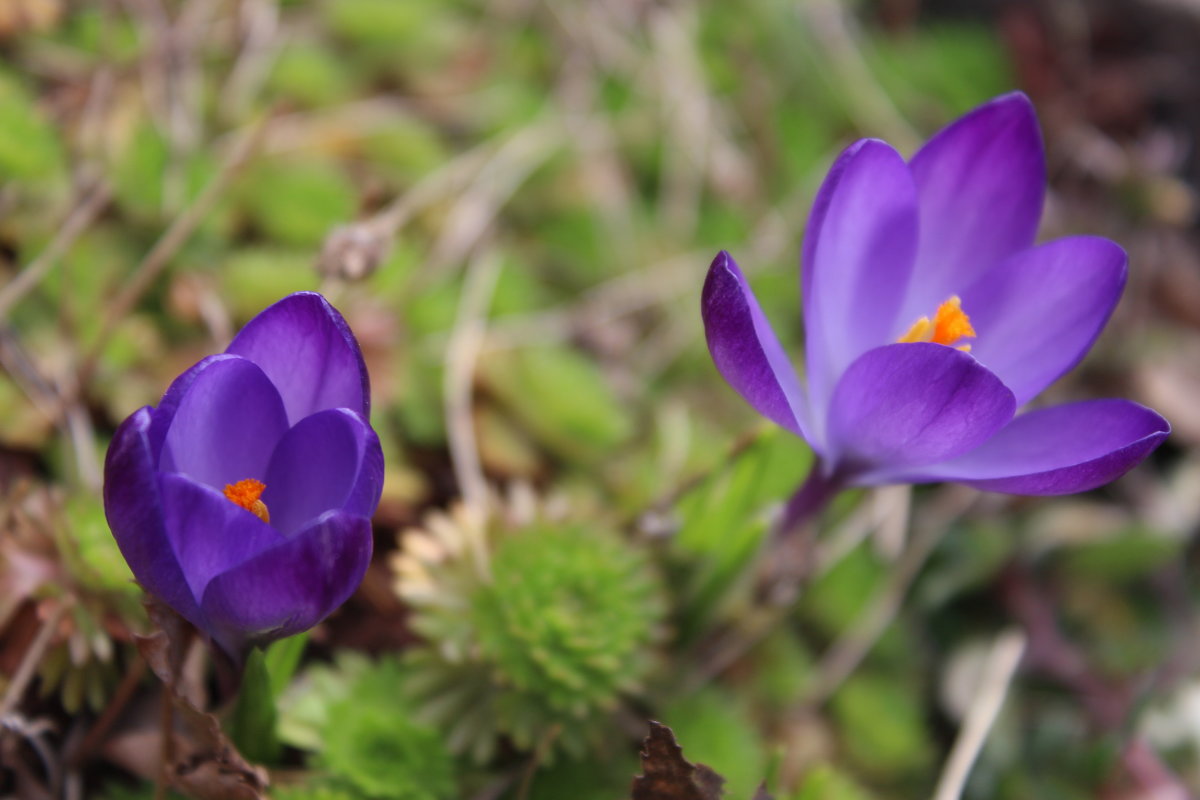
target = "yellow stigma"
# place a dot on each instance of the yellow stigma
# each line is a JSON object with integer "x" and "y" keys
{"x": 246, "y": 494}
{"x": 949, "y": 324}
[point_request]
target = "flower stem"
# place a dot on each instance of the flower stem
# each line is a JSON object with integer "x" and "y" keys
{"x": 808, "y": 501}
{"x": 787, "y": 556}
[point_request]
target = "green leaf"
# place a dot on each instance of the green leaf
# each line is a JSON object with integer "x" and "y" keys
{"x": 726, "y": 516}
{"x": 29, "y": 145}
{"x": 405, "y": 149}
{"x": 560, "y": 396}
{"x": 282, "y": 659}
{"x": 140, "y": 174}
{"x": 882, "y": 725}
{"x": 826, "y": 783}
{"x": 836, "y": 598}
{"x": 1127, "y": 556}
{"x": 252, "y": 722}
{"x": 719, "y": 733}
{"x": 296, "y": 202}
{"x": 92, "y": 554}
{"x": 312, "y": 75}
{"x": 253, "y": 278}
{"x": 955, "y": 66}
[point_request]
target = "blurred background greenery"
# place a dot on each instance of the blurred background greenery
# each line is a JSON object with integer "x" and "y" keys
{"x": 514, "y": 203}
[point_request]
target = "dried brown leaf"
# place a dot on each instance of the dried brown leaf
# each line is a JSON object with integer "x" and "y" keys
{"x": 667, "y": 775}
{"x": 206, "y": 766}
{"x": 215, "y": 769}
{"x": 761, "y": 792}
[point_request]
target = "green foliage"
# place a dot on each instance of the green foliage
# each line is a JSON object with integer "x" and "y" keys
{"x": 838, "y": 596}
{"x": 91, "y": 549}
{"x": 882, "y": 728}
{"x": 354, "y": 716}
{"x": 81, "y": 672}
{"x": 396, "y": 37}
{"x": 251, "y": 726}
{"x": 1125, "y": 557}
{"x": 255, "y": 277}
{"x": 826, "y": 783}
{"x": 150, "y": 182}
{"x": 310, "y": 74}
{"x": 405, "y": 149}
{"x": 957, "y": 65}
{"x": 296, "y": 202}
{"x": 782, "y": 668}
{"x": 145, "y": 791}
{"x": 379, "y": 749}
{"x": 595, "y": 778}
{"x": 576, "y": 416}
{"x": 716, "y": 730}
{"x": 725, "y": 517}
{"x": 315, "y": 790}
{"x": 281, "y": 660}
{"x": 29, "y": 146}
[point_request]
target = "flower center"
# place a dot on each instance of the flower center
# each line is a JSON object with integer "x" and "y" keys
{"x": 246, "y": 493}
{"x": 949, "y": 324}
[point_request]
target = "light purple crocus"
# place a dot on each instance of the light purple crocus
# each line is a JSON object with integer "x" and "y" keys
{"x": 931, "y": 317}
{"x": 243, "y": 501}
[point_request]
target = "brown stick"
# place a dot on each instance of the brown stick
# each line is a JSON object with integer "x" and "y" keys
{"x": 170, "y": 242}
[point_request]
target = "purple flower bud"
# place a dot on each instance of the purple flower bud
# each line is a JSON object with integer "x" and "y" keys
{"x": 930, "y": 317}
{"x": 244, "y": 499}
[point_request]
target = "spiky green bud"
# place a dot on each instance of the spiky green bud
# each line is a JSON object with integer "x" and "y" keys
{"x": 534, "y": 629}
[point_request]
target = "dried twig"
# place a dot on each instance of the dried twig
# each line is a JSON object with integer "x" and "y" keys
{"x": 988, "y": 698}
{"x": 461, "y": 355}
{"x": 33, "y": 657}
{"x": 834, "y": 31}
{"x": 90, "y": 203}
{"x": 844, "y": 656}
{"x": 495, "y": 184}
{"x": 168, "y": 245}
{"x": 260, "y": 44}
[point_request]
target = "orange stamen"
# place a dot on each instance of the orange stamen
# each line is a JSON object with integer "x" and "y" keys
{"x": 949, "y": 324}
{"x": 246, "y": 493}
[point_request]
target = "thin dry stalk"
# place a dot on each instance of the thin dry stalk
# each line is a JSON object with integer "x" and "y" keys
{"x": 33, "y": 657}
{"x": 260, "y": 45}
{"x": 844, "y": 656}
{"x": 87, "y": 207}
{"x": 466, "y": 341}
{"x": 989, "y": 697}
{"x": 496, "y": 182}
{"x": 836, "y": 33}
{"x": 174, "y": 238}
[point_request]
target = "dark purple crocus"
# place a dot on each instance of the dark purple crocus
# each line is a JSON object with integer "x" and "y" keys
{"x": 931, "y": 317}
{"x": 244, "y": 499}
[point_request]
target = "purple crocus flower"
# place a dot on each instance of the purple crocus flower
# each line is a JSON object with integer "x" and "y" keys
{"x": 931, "y": 317}
{"x": 244, "y": 499}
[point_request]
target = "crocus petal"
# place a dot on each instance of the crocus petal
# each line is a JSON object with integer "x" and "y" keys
{"x": 291, "y": 587}
{"x": 858, "y": 254}
{"x": 329, "y": 461}
{"x": 309, "y": 353}
{"x": 1059, "y": 450}
{"x": 745, "y": 349}
{"x": 209, "y": 533}
{"x": 134, "y": 510}
{"x": 164, "y": 413}
{"x": 226, "y": 425}
{"x": 980, "y": 186}
{"x": 909, "y": 404}
{"x": 1037, "y": 313}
